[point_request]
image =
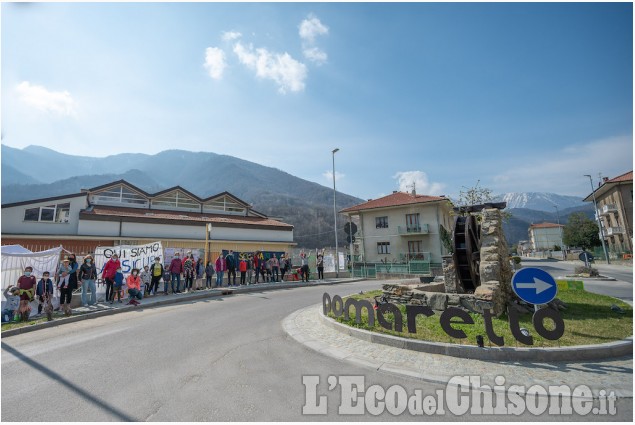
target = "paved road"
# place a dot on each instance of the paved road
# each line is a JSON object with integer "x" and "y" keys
{"x": 223, "y": 359}
{"x": 622, "y": 288}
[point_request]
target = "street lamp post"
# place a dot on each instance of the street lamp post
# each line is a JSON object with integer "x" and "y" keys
{"x": 560, "y": 231}
{"x": 597, "y": 218}
{"x": 337, "y": 260}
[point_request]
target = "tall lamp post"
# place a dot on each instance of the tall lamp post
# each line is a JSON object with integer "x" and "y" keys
{"x": 559, "y": 229}
{"x": 337, "y": 260}
{"x": 597, "y": 218}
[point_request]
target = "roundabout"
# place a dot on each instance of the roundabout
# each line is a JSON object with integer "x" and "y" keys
{"x": 307, "y": 327}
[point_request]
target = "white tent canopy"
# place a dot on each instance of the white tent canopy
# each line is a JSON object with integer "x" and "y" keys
{"x": 15, "y": 258}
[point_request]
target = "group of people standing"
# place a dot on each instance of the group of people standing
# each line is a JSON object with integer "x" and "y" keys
{"x": 70, "y": 275}
{"x": 252, "y": 268}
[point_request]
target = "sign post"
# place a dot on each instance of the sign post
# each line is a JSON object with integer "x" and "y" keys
{"x": 586, "y": 257}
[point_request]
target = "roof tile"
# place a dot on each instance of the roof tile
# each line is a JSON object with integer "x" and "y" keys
{"x": 393, "y": 200}
{"x": 183, "y": 216}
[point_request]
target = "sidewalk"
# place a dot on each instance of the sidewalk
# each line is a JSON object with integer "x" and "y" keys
{"x": 307, "y": 328}
{"x": 106, "y": 309}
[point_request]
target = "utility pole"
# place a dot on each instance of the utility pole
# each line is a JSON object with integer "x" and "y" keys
{"x": 337, "y": 260}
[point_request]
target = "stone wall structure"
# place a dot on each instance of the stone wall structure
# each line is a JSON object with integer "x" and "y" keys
{"x": 495, "y": 270}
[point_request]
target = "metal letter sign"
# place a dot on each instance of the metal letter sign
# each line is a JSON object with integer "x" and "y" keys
{"x": 534, "y": 286}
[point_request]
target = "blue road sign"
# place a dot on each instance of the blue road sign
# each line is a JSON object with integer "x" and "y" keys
{"x": 585, "y": 256}
{"x": 534, "y": 286}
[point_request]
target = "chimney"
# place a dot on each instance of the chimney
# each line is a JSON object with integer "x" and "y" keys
{"x": 414, "y": 189}
{"x": 394, "y": 191}
{"x": 605, "y": 179}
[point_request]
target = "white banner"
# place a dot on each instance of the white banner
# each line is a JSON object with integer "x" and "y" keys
{"x": 130, "y": 256}
{"x": 342, "y": 262}
{"x": 329, "y": 263}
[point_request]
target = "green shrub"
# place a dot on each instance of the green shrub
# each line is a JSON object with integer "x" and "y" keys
{"x": 516, "y": 260}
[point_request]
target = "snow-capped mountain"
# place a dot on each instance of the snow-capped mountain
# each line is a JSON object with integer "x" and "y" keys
{"x": 540, "y": 201}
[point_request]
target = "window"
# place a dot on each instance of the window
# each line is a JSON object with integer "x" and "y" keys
{"x": 50, "y": 213}
{"x": 176, "y": 199}
{"x": 121, "y": 195}
{"x": 412, "y": 223}
{"x": 414, "y": 247}
{"x": 47, "y": 213}
{"x": 224, "y": 204}
{"x": 381, "y": 222}
{"x": 62, "y": 213}
{"x": 383, "y": 247}
{"x": 32, "y": 214}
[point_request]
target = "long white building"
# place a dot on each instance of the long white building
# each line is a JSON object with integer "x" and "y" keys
{"x": 120, "y": 213}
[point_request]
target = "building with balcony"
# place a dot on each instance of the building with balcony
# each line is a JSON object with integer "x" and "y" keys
{"x": 545, "y": 236}
{"x": 615, "y": 208}
{"x": 120, "y": 213}
{"x": 400, "y": 228}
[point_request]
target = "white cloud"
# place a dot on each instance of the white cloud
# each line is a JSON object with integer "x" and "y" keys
{"x": 231, "y": 35}
{"x": 287, "y": 72}
{"x": 314, "y": 54}
{"x": 44, "y": 100}
{"x": 312, "y": 27}
{"x": 423, "y": 186}
{"x": 309, "y": 29}
{"x": 562, "y": 171}
{"x": 215, "y": 62}
{"x": 329, "y": 175}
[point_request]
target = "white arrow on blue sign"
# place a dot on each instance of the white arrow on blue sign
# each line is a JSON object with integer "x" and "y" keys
{"x": 534, "y": 285}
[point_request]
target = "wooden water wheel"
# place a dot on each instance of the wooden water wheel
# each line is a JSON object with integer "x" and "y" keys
{"x": 467, "y": 251}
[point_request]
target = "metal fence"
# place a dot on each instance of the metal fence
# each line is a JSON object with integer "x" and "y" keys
{"x": 370, "y": 270}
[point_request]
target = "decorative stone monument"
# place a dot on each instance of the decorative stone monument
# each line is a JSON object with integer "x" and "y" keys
{"x": 491, "y": 275}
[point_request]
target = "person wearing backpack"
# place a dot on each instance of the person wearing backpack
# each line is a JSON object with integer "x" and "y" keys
{"x": 230, "y": 260}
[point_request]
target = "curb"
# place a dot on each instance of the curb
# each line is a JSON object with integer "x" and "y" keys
{"x": 218, "y": 293}
{"x": 600, "y": 278}
{"x": 388, "y": 366}
{"x": 573, "y": 353}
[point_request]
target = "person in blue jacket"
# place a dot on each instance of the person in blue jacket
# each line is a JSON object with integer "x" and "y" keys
{"x": 44, "y": 292}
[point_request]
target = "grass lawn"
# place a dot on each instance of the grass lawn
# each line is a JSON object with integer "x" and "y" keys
{"x": 41, "y": 319}
{"x": 588, "y": 320}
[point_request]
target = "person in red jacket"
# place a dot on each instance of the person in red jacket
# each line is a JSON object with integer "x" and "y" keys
{"x": 134, "y": 287}
{"x": 108, "y": 274}
{"x": 176, "y": 268}
{"x": 242, "y": 268}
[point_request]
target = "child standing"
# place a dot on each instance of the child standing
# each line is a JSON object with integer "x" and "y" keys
{"x": 209, "y": 272}
{"x": 44, "y": 291}
{"x": 118, "y": 286}
{"x": 146, "y": 277}
{"x": 242, "y": 267}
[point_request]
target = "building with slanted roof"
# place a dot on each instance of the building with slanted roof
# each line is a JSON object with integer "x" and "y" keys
{"x": 545, "y": 236}
{"x": 120, "y": 213}
{"x": 615, "y": 207}
{"x": 401, "y": 227}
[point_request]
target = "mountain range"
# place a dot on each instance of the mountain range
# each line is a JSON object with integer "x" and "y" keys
{"x": 38, "y": 172}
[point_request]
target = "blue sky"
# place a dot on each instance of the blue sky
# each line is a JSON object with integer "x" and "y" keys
{"x": 523, "y": 97}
